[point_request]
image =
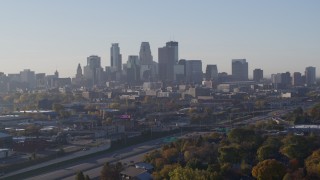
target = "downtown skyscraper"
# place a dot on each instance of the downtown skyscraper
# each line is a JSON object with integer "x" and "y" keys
{"x": 239, "y": 70}
{"x": 257, "y": 75}
{"x": 310, "y": 75}
{"x": 93, "y": 71}
{"x": 115, "y": 57}
{"x": 148, "y": 70}
{"x": 211, "y": 72}
{"x": 168, "y": 57}
{"x": 145, "y": 55}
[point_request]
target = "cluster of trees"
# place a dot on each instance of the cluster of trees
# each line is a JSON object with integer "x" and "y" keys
{"x": 242, "y": 153}
{"x": 111, "y": 171}
{"x": 299, "y": 116}
{"x": 30, "y": 101}
{"x": 81, "y": 176}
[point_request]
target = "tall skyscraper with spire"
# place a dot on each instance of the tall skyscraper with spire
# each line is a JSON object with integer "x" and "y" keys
{"x": 115, "y": 57}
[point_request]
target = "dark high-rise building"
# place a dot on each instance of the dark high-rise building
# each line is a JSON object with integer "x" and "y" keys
{"x": 286, "y": 79}
{"x": 133, "y": 69}
{"x": 145, "y": 55}
{"x": 310, "y": 74}
{"x": 239, "y": 70}
{"x": 115, "y": 57}
{"x": 211, "y": 72}
{"x": 257, "y": 75}
{"x": 281, "y": 80}
{"x": 167, "y": 60}
{"x": 175, "y": 46}
{"x": 194, "y": 71}
{"x": 79, "y": 71}
{"x": 148, "y": 70}
{"x": 297, "y": 79}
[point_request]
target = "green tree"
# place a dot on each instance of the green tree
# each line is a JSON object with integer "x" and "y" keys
{"x": 111, "y": 171}
{"x": 267, "y": 152}
{"x": 57, "y": 107}
{"x": 87, "y": 177}
{"x": 269, "y": 169}
{"x": 312, "y": 164}
{"x": 32, "y": 130}
{"x": 164, "y": 172}
{"x": 240, "y": 135}
{"x": 170, "y": 154}
{"x": 80, "y": 176}
{"x": 298, "y": 147}
{"x": 229, "y": 154}
{"x": 187, "y": 173}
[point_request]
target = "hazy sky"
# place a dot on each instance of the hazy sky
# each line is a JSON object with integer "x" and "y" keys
{"x": 45, "y": 35}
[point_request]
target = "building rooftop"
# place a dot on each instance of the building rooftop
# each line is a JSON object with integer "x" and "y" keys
{"x": 143, "y": 165}
{"x": 3, "y": 135}
{"x": 132, "y": 171}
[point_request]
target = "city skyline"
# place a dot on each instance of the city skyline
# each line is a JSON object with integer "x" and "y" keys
{"x": 49, "y": 36}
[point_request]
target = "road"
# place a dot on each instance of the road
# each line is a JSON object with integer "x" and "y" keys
{"x": 61, "y": 159}
{"x": 95, "y": 172}
{"x": 92, "y": 166}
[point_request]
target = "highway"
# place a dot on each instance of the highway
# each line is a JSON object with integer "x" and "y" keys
{"x": 95, "y": 172}
{"x": 92, "y": 166}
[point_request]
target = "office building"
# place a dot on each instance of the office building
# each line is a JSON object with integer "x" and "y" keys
{"x": 211, "y": 72}
{"x": 257, "y": 75}
{"x": 194, "y": 71}
{"x": 167, "y": 60}
{"x": 239, "y": 70}
{"x": 133, "y": 69}
{"x": 175, "y": 46}
{"x": 145, "y": 55}
{"x": 116, "y": 57}
{"x": 147, "y": 69}
{"x": 281, "y": 80}
{"x": 93, "y": 71}
{"x": 310, "y": 75}
{"x": 297, "y": 79}
{"x": 27, "y": 76}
